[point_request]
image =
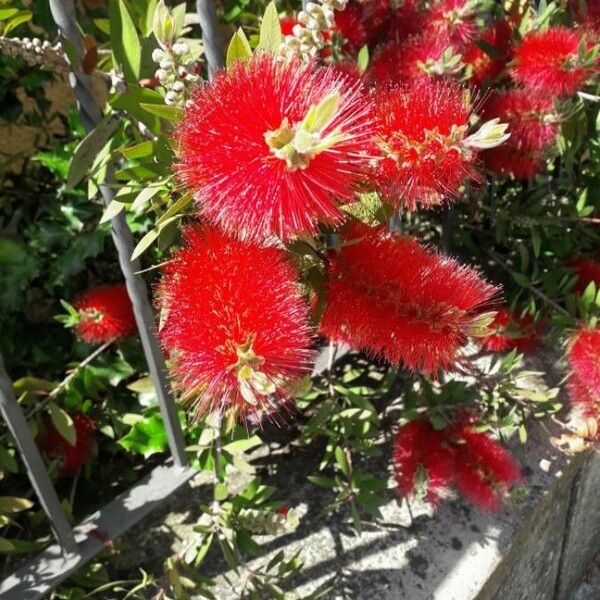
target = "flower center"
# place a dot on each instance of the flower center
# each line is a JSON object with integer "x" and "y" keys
{"x": 299, "y": 143}
{"x": 92, "y": 314}
{"x": 253, "y": 382}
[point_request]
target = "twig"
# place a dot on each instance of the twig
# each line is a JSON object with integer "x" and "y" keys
{"x": 532, "y": 288}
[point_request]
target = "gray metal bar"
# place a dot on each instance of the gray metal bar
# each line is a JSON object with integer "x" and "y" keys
{"x": 63, "y": 12}
{"x": 213, "y": 47}
{"x": 36, "y": 470}
{"x": 51, "y": 567}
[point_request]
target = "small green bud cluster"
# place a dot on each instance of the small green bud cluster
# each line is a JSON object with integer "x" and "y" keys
{"x": 308, "y": 37}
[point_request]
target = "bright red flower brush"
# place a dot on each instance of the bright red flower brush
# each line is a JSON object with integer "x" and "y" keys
{"x": 484, "y": 469}
{"x": 408, "y": 19}
{"x": 548, "y": 61}
{"x": 454, "y": 19}
{"x": 423, "y": 137}
{"x": 588, "y": 14}
{"x": 71, "y": 458}
{"x": 511, "y": 332}
{"x": 417, "y": 59}
{"x": 402, "y": 302}
{"x": 520, "y": 164}
{"x": 270, "y": 147}
{"x": 587, "y": 270}
{"x": 105, "y": 314}
{"x": 236, "y": 327}
{"x": 350, "y": 25}
{"x": 423, "y": 461}
{"x": 584, "y": 381}
{"x": 484, "y": 67}
{"x": 531, "y": 117}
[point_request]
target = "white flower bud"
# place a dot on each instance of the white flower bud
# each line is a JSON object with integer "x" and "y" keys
{"x": 171, "y": 96}
{"x": 157, "y": 55}
{"x": 180, "y": 48}
{"x": 178, "y": 86}
{"x": 36, "y": 41}
{"x": 166, "y": 64}
{"x": 161, "y": 75}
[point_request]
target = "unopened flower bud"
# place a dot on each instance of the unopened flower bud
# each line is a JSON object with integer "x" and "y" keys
{"x": 180, "y": 48}
{"x": 157, "y": 55}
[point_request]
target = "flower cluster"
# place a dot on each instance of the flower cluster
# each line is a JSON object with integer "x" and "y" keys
{"x": 429, "y": 462}
{"x": 235, "y": 325}
{"x": 105, "y": 314}
{"x": 402, "y": 302}
{"x": 584, "y": 382}
{"x": 271, "y": 148}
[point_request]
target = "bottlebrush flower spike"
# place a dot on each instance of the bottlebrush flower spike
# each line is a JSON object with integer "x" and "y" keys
{"x": 402, "y": 302}
{"x": 236, "y": 327}
{"x": 414, "y": 60}
{"x": 584, "y": 383}
{"x": 587, "y": 270}
{"x": 105, "y": 314}
{"x": 270, "y": 147}
{"x": 350, "y": 25}
{"x": 531, "y": 117}
{"x": 454, "y": 19}
{"x": 407, "y": 20}
{"x": 521, "y": 164}
{"x": 549, "y": 61}
{"x": 423, "y": 461}
{"x": 483, "y": 468}
{"x": 485, "y": 67}
{"x": 426, "y": 152}
{"x": 71, "y": 458}
{"x": 511, "y": 332}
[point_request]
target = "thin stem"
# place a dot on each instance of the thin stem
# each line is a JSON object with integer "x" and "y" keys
{"x": 218, "y": 447}
{"x": 533, "y": 289}
{"x": 65, "y": 382}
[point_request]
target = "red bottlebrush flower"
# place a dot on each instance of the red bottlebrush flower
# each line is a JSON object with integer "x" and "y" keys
{"x": 508, "y": 161}
{"x": 525, "y": 337}
{"x": 483, "y": 468}
{"x": 258, "y": 162}
{"x": 402, "y": 302}
{"x": 283, "y": 511}
{"x": 406, "y": 20}
{"x": 71, "y": 458}
{"x": 350, "y": 25}
{"x": 584, "y": 382}
{"x": 236, "y": 327}
{"x": 485, "y": 67}
{"x": 531, "y": 118}
{"x": 105, "y": 314}
{"x": 548, "y": 61}
{"x": 588, "y": 15}
{"x": 417, "y": 59}
{"x": 421, "y": 132}
{"x": 452, "y": 18}
{"x": 587, "y": 270}
{"x": 423, "y": 461}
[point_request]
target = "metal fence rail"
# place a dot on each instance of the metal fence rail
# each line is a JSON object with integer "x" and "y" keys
{"x": 76, "y": 546}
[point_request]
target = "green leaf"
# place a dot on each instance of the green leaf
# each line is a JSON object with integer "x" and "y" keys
{"x": 63, "y": 423}
{"x": 6, "y": 13}
{"x": 244, "y": 445}
{"x": 169, "y": 113}
{"x": 146, "y": 437}
{"x": 11, "y": 505}
{"x": 342, "y": 460}
{"x": 126, "y": 47}
{"x": 12, "y": 252}
{"x": 238, "y": 49}
{"x": 321, "y": 481}
{"x": 270, "y": 30}
{"x": 7, "y": 460}
{"x": 221, "y": 492}
{"x": 21, "y": 17}
{"x": 144, "y": 243}
{"x": 112, "y": 210}
{"x": 139, "y": 150}
{"x": 6, "y": 546}
{"x": 131, "y": 102}
{"x": 88, "y": 148}
{"x": 363, "y": 59}
{"x": 144, "y": 196}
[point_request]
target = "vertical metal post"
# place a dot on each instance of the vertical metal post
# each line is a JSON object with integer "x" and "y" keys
{"x": 36, "y": 470}
{"x": 63, "y": 12}
{"x": 211, "y": 39}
